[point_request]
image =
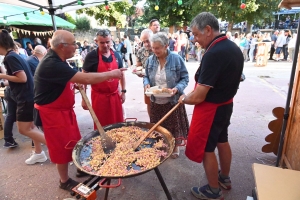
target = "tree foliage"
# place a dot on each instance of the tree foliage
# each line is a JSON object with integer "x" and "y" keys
{"x": 116, "y": 15}
{"x": 83, "y": 23}
{"x": 229, "y": 10}
{"x": 69, "y": 18}
{"x": 169, "y": 12}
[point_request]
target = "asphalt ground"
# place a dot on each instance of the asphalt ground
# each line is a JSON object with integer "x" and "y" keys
{"x": 264, "y": 89}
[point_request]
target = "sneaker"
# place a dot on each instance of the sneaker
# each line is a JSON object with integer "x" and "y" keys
{"x": 224, "y": 183}
{"x": 69, "y": 185}
{"x": 205, "y": 193}
{"x": 35, "y": 158}
{"x": 11, "y": 144}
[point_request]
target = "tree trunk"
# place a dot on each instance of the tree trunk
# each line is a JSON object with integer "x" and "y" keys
{"x": 230, "y": 26}
{"x": 249, "y": 27}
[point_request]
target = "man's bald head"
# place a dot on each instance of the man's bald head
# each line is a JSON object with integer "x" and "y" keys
{"x": 40, "y": 49}
{"x": 61, "y": 36}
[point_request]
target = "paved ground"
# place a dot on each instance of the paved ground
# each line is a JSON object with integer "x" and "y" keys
{"x": 264, "y": 89}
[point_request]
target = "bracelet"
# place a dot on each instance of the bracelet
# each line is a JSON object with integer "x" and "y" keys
{"x": 124, "y": 91}
{"x": 2, "y": 84}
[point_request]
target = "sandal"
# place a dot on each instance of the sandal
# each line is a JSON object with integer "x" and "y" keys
{"x": 175, "y": 153}
{"x": 69, "y": 185}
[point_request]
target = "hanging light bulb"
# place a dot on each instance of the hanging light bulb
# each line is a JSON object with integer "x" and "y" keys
{"x": 42, "y": 12}
{"x": 179, "y": 2}
{"x": 26, "y": 17}
{"x": 210, "y": 1}
{"x": 106, "y": 5}
{"x": 156, "y": 7}
{"x": 243, "y": 6}
{"x": 4, "y": 19}
{"x": 79, "y": 2}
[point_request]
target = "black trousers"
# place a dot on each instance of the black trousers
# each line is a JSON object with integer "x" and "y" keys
{"x": 272, "y": 52}
{"x": 285, "y": 52}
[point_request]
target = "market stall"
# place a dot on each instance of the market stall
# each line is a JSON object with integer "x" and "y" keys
{"x": 289, "y": 149}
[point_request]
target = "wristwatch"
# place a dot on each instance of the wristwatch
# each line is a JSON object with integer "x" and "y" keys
{"x": 2, "y": 84}
{"x": 124, "y": 91}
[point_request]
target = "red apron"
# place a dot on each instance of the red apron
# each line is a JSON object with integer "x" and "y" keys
{"x": 203, "y": 116}
{"x": 60, "y": 125}
{"x": 106, "y": 100}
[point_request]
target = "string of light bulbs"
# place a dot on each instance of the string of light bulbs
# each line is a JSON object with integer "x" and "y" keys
{"x": 42, "y": 12}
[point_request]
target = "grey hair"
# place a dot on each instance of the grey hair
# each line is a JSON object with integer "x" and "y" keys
{"x": 160, "y": 37}
{"x": 56, "y": 40}
{"x": 203, "y": 19}
{"x": 147, "y": 32}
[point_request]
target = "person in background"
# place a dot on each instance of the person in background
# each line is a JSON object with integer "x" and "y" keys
{"x": 291, "y": 47}
{"x": 142, "y": 55}
{"x": 171, "y": 42}
{"x": 128, "y": 54}
{"x": 79, "y": 47}
{"x": 217, "y": 81}
{"x": 288, "y": 35}
{"x": 37, "y": 41}
{"x": 252, "y": 47}
{"x": 85, "y": 45}
{"x": 38, "y": 54}
{"x": 54, "y": 100}
{"x": 21, "y": 84}
{"x": 167, "y": 69}
{"x": 281, "y": 40}
{"x": 118, "y": 46}
{"x": 104, "y": 95}
{"x": 29, "y": 48}
{"x": 229, "y": 35}
{"x": 21, "y": 50}
{"x": 273, "y": 41}
{"x": 154, "y": 26}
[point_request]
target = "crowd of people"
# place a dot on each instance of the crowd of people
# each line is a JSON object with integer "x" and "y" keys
{"x": 45, "y": 98}
{"x": 281, "y": 43}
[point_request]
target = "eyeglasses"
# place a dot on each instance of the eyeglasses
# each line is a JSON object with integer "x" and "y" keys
{"x": 103, "y": 33}
{"x": 74, "y": 44}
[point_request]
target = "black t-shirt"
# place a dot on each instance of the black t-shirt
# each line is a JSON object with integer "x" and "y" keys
{"x": 51, "y": 77}
{"x": 92, "y": 59}
{"x": 221, "y": 68}
{"x": 23, "y": 92}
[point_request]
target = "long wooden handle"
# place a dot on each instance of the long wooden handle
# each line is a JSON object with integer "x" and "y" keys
{"x": 154, "y": 127}
{"x": 95, "y": 118}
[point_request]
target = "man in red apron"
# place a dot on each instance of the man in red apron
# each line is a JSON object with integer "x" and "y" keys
{"x": 54, "y": 100}
{"x": 217, "y": 81}
{"x": 106, "y": 99}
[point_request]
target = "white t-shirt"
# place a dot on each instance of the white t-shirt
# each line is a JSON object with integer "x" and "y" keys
{"x": 128, "y": 45}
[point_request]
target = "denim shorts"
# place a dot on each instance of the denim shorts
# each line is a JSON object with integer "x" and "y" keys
{"x": 278, "y": 50}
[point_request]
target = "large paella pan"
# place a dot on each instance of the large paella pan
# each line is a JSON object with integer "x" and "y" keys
{"x": 84, "y": 152}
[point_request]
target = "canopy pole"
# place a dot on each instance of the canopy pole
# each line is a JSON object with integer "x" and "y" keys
{"x": 288, "y": 100}
{"x": 51, "y": 11}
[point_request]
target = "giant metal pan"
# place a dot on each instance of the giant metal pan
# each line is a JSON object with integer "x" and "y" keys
{"x": 79, "y": 155}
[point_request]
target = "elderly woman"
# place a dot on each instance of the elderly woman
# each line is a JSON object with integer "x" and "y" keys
{"x": 167, "y": 70}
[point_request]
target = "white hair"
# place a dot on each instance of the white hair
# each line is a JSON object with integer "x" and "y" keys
{"x": 147, "y": 32}
{"x": 160, "y": 37}
{"x": 56, "y": 40}
{"x": 40, "y": 49}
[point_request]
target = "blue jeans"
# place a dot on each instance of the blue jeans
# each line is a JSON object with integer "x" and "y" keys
{"x": 10, "y": 119}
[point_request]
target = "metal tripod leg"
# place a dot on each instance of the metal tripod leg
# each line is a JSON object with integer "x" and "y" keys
{"x": 162, "y": 182}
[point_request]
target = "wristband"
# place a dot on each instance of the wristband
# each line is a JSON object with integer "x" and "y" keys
{"x": 124, "y": 91}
